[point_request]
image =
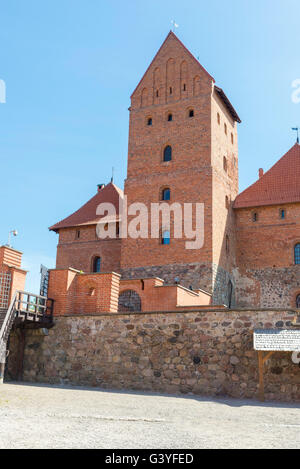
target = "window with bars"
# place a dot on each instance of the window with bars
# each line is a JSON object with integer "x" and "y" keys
{"x": 5, "y": 282}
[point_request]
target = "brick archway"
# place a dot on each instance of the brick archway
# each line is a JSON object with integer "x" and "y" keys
{"x": 129, "y": 301}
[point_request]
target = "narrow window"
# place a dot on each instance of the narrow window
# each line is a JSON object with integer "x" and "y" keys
{"x": 225, "y": 129}
{"x": 191, "y": 113}
{"x": 255, "y": 216}
{"x": 227, "y": 202}
{"x": 232, "y": 139}
{"x": 219, "y": 119}
{"x": 227, "y": 244}
{"x": 225, "y": 164}
{"x": 184, "y": 87}
{"x": 165, "y": 237}
{"x": 149, "y": 121}
{"x": 298, "y": 301}
{"x": 171, "y": 90}
{"x": 77, "y": 236}
{"x": 166, "y": 194}
{"x": 157, "y": 93}
{"x": 297, "y": 254}
{"x": 97, "y": 265}
{"x": 282, "y": 214}
{"x": 168, "y": 153}
{"x": 170, "y": 117}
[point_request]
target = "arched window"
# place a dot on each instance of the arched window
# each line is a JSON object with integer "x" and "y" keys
{"x": 97, "y": 264}
{"x": 129, "y": 300}
{"x": 298, "y": 301}
{"x": 149, "y": 121}
{"x": 191, "y": 113}
{"x": 166, "y": 194}
{"x": 165, "y": 238}
{"x": 170, "y": 117}
{"x": 168, "y": 153}
{"x": 297, "y": 253}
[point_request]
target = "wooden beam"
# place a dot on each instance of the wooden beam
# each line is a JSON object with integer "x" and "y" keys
{"x": 261, "y": 392}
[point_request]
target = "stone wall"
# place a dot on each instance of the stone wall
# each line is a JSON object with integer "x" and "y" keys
{"x": 205, "y": 353}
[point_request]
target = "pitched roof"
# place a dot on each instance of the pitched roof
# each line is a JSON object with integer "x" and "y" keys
{"x": 219, "y": 91}
{"x": 171, "y": 34}
{"x": 228, "y": 104}
{"x": 279, "y": 185}
{"x": 86, "y": 215}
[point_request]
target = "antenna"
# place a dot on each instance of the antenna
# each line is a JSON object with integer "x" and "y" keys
{"x": 296, "y": 129}
{"x": 14, "y": 233}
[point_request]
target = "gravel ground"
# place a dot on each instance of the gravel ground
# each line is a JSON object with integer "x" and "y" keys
{"x": 38, "y": 416}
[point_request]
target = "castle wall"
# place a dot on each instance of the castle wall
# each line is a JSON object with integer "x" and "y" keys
{"x": 267, "y": 275}
{"x": 201, "y": 352}
{"x": 78, "y": 253}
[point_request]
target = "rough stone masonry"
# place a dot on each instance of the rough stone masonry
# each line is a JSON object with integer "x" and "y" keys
{"x": 207, "y": 353}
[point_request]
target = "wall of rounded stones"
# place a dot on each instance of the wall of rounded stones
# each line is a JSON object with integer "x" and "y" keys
{"x": 204, "y": 353}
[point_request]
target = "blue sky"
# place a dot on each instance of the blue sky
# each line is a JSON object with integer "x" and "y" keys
{"x": 70, "y": 67}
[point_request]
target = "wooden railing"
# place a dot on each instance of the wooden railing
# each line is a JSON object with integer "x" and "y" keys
{"x": 34, "y": 307}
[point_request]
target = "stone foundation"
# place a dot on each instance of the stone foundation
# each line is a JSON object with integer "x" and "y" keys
{"x": 205, "y": 353}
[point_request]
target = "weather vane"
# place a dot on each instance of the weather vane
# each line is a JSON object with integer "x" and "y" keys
{"x": 175, "y": 25}
{"x": 296, "y": 129}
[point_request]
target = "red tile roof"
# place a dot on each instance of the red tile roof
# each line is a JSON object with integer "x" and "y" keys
{"x": 86, "y": 215}
{"x": 279, "y": 185}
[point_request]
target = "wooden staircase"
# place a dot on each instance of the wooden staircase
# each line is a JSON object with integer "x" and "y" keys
{"x": 26, "y": 310}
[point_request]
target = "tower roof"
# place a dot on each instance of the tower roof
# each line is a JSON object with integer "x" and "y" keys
{"x": 219, "y": 91}
{"x": 86, "y": 215}
{"x": 172, "y": 35}
{"x": 279, "y": 185}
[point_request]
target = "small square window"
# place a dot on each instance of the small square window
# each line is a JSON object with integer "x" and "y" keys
{"x": 170, "y": 117}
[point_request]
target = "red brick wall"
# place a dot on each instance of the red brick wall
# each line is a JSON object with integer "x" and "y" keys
{"x": 195, "y": 174}
{"x": 79, "y": 253}
{"x": 83, "y": 293}
{"x": 155, "y": 296}
{"x": 267, "y": 275}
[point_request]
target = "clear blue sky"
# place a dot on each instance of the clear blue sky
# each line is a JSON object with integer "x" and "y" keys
{"x": 70, "y": 67}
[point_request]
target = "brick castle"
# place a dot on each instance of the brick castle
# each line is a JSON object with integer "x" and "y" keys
{"x": 183, "y": 148}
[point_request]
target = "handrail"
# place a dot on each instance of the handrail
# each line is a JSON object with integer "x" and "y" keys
{"x": 8, "y": 316}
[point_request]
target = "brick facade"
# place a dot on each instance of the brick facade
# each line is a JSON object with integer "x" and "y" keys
{"x": 242, "y": 262}
{"x": 196, "y": 173}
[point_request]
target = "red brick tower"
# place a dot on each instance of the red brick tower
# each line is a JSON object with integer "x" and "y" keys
{"x": 177, "y": 104}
